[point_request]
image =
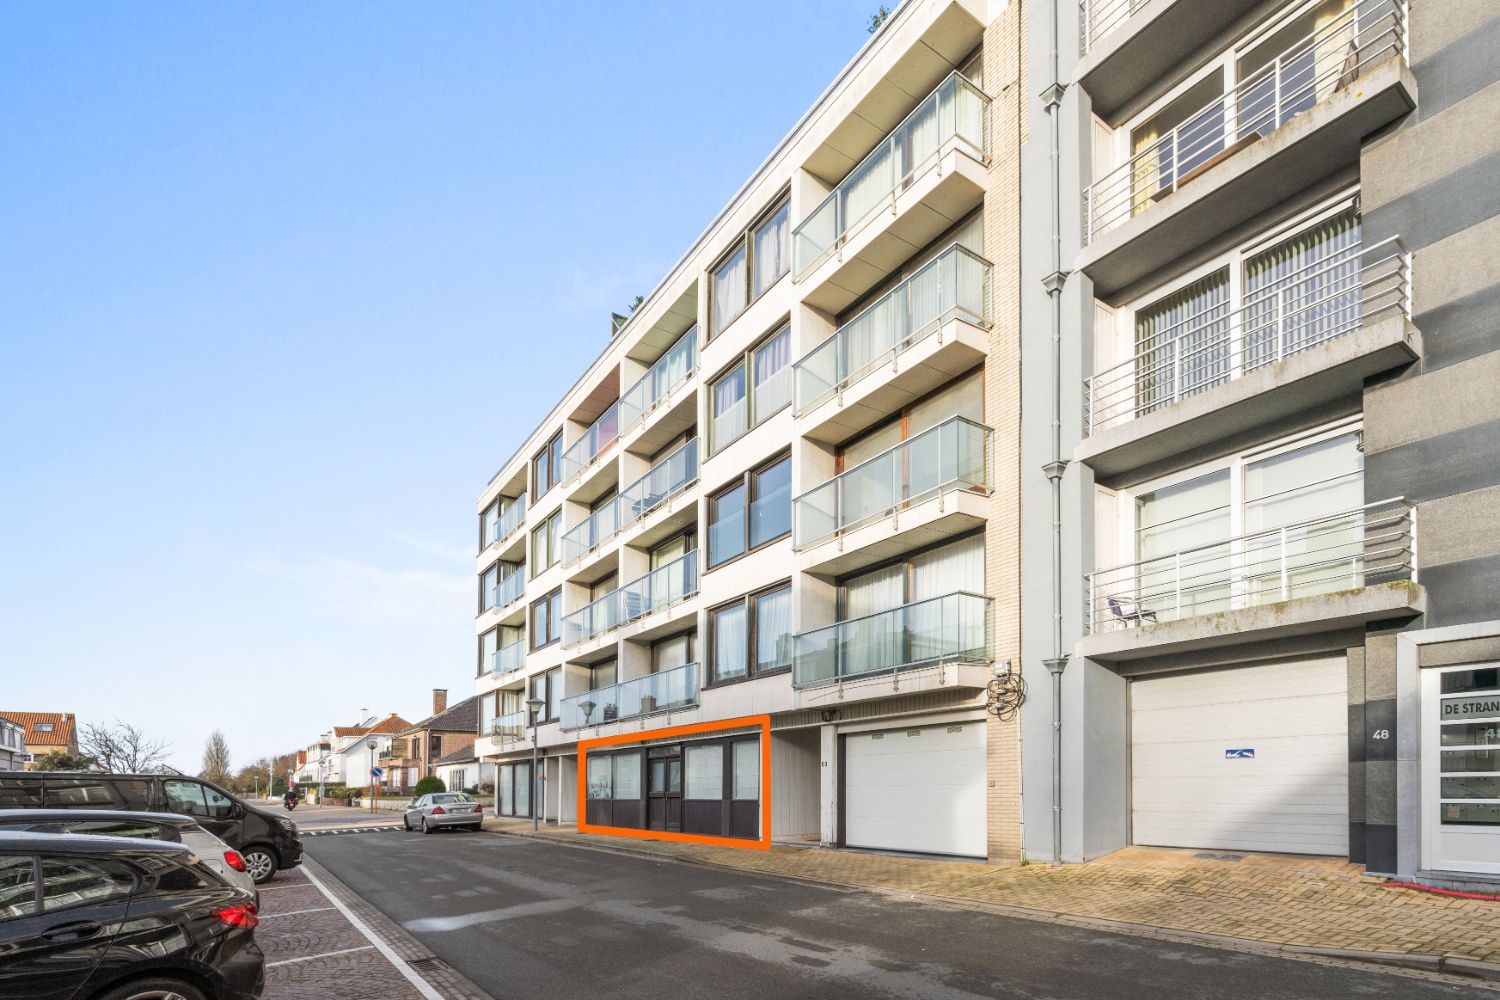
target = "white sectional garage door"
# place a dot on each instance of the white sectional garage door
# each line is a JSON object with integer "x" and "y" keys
{"x": 1246, "y": 758}
{"x": 919, "y": 789}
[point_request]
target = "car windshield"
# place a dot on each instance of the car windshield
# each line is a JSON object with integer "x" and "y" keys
{"x": 446, "y": 797}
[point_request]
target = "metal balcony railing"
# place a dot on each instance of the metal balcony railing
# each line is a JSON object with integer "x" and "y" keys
{"x": 1325, "y": 62}
{"x": 510, "y": 727}
{"x": 667, "y": 479}
{"x": 954, "y": 116}
{"x": 953, "y": 455}
{"x": 1376, "y": 543}
{"x": 659, "y": 589}
{"x": 510, "y": 520}
{"x": 670, "y": 371}
{"x": 955, "y": 284}
{"x": 660, "y": 692}
{"x": 581, "y": 454}
{"x": 509, "y": 590}
{"x": 1326, "y": 299}
{"x": 1097, "y": 18}
{"x": 508, "y": 658}
{"x": 957, "y": 627}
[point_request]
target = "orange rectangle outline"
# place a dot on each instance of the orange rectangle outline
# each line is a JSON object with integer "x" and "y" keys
{"x": 762, "y": 721}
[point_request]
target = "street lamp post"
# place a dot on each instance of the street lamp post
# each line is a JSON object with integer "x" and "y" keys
{"x": 373, "y": 793}
{"x": 534, "y": 706}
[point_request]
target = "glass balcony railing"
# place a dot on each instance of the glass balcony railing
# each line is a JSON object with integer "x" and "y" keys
{"x": 955, "y": 115}
{"x": 510, "y": 520}
{"x": 641, "y": 696}
{"x": 667, "y": 478}
{"x": 1325, "y": 62}
{"x": 508, "y": 590}
{"x": 508, "y": 658}
{"x": 1346, "y": 550}
{"x": 600, "y": 435}
{"x": 507, "y": 728}
{"x": 670, "y": 371}
{"x": 955, "y": 627}
{"x": 955, "y": 284}
{"x": 953, "y": 455}
{"x": 1328, "y": 298}
{"x": 661, "y": 588}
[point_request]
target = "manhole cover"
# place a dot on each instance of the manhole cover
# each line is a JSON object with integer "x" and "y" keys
{"x": 1218, "y": 856}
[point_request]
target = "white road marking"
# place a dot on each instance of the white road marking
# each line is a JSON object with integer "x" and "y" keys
{"x": 422, "y": 986}
{"x": 326, "y": 954}
{"x": 537, "y": 908}
{"x": 316, "y": 909}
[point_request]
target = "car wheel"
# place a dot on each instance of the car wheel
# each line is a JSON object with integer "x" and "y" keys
{"x": 260, "y": 864}
{"x": 406, "y": 823}
{"x": 154, "y": 989}
{"x": 477, "y": 827}
{"x": 425, "y": 827}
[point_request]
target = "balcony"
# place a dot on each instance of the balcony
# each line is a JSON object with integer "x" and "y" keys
{"x": 658, "y": 487}
{"x": 901, "y": 499}
{"x": 660, "y": 589}
{"x": 1299, "y": 119}
{"x": 916, "y": 337}
{"x": 667, "y": 691}
{"x": 585, "y": 453}
{"x": 943, "y": 632}
{"x": 508, "y": 659}
{"x": 1334, "y": 571}
{"x": 642, "y": 403}
{"x": 925, "y": 176}
{"x": 508, "y": 591}
{"x": 1312, "y": 337}
{"x": 1127, "y": 45}
{"x": 509, "y": 728}
{"x": 505, "y": 532}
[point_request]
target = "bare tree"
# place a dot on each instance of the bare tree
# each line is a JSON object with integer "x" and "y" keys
{"x": 123, "y": 748}
{"x": 216, "y": 758}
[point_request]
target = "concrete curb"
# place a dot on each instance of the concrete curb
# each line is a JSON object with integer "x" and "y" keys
{"x": 1458, "y": 971}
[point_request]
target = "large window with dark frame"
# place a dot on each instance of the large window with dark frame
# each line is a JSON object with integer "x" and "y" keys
{"x": 546, "y": 620}
{"x": 545, "y": 543}
{"x": 757, "y": 260}
{"x": 547, "y": 686}
{"x": 750, "y": 513}
{"x": 546, "y": 467}
{"x": 756, "y": 387}
{"x": 752, "y": 636}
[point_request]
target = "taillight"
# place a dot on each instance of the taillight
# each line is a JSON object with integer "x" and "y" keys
{"x": 240, "y": 915}
{"x": 233, "y": 860}
{"x": 438, "y": 811}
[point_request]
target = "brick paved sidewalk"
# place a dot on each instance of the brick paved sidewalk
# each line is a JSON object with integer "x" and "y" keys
{"x": 1313, "y": 903}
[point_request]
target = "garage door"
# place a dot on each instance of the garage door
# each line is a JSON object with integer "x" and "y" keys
{"x": 1249, "y": 758}
{"x": 919, "y": 789}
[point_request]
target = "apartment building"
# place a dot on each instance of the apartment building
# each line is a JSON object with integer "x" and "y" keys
{"x": 1261, "y": 453}
{"x": 788, "y": 486}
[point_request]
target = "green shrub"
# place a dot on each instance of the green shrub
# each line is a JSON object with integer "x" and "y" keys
{"x": 429, "y": 785}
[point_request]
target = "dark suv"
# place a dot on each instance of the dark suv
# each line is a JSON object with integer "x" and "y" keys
{"x": 112, "y": 918}
{"x": 266, "y": 841}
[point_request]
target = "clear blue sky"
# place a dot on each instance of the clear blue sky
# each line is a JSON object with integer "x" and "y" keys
{"x": 280, "y": 287}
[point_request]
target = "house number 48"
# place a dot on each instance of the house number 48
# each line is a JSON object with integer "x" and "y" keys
{"x": 1381, "y": 734}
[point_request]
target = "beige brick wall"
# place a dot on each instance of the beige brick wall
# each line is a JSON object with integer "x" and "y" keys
{"x": 1004, "y": 81}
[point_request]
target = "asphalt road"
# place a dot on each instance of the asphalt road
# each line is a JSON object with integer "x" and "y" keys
{"x": 523, "y": 918}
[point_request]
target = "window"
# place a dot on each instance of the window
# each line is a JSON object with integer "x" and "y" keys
{"x": 737, "y": 525}
{"x": 488, "y": 582}
{"x": 957, "y": 567}
{"x": 75, "y": 881}
{"x": 434, "y": 745}
{"x": 545, "y": 549}
{"x": 602, "y": 675}
{"x": 752, "y": 636}
{"x": 101, "y": 792}
{"x": 601, "y": 778}
{"x": 705, "y": 772}
{"x": 546, "y": 620}
{"x": 43, "y": 727}
{"x": 746, "y": 770}
{"x": 17, "y": 886}
{"x": 179, "y": 878}
{"x": 755, "y": 388}
{"x": 627, "y": 775}
{"x": 489, "y": 525}
{"x": 546, "y": 467}
{"x": 670, "y": 653}
{"x": 548, "y": 687}
{"x": 755, "y": 263}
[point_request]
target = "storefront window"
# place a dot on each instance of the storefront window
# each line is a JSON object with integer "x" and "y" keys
{"x": 705, "y": 772}
{"x": 600, "y": 784}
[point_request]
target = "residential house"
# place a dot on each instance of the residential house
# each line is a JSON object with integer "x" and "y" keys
{"x": 461, "y": 770}
{"x": 415, "y": 751}
{"x": 12, "y": 745}
{"x": 45, "y": 732}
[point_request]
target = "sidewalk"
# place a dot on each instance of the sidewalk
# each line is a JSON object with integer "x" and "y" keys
{"x": 1299, "y": 902}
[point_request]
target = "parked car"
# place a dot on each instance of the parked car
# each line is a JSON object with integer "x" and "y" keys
{"x": 116, "y": 918}
{"x": 443, "y": 809}
{"x": 267, "y": 842}
{"x": 226, "y": 862}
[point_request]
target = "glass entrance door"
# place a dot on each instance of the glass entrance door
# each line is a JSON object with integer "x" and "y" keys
{"x": 1461, "y": 769}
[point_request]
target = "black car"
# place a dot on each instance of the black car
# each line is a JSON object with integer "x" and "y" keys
{"x": 267, "y": 842}
{"x": 111, "y": 918}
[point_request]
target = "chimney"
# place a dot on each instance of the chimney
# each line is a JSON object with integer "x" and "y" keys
{"x": 439, "y": 700}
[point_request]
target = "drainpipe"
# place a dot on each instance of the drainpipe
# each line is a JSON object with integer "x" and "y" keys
{"x": 1054, "y": 469}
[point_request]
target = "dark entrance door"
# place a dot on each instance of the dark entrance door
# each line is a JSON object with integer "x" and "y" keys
{"x": 665, "y": 794}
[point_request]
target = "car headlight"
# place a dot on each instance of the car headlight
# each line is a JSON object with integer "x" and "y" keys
{"x": 286, "y": 824}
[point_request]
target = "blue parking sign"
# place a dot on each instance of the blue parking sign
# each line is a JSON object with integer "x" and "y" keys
{"x": 376, "y": 772}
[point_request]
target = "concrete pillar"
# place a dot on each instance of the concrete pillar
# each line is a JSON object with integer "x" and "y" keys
{"x": 828, "y": 827}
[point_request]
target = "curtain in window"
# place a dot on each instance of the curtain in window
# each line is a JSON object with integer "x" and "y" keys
{"x": 773, "y": 630}
{"x": 939, "y": 625}
{"x": 487, "y": 646}
{"x": 729, "y": 408}
{"x": 677, "y": 363}
{"x": 867, "y": 187}
{"x": 746, "y": 771}
{"x": 670, "y": 653}
{"x": 506, "y": 790}
{"x": 729, "y": 290}
{"x": 874, "y": 641}
{"x": 523, "y": 789}
{"x": 773, "y": 375}
{"x": 1303, "y": 292}
{"x": 772, "y": 256}
{"x": 486, "y": 714}
{"x": 730, "y": 640}
{"x": 627, "y": 775}
{"x": 1189, "y": 516}
{"x": 925, "y": 299}
{"x": 1182, "y": 343}
{"x": 704, "y": 767}
{"x": 923, "y": 133}
{"x": 872, "y": 334}
{"x": 771, "y": 511}
{"x": 1323, "y": 480}
{"x": 949, "y": 569}
{"x": 601, "y": 778}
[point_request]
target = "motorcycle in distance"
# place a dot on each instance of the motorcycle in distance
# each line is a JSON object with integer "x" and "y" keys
{"x": 289, "y": 800}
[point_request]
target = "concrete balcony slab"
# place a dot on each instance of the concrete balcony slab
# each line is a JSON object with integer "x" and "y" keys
{"x": 933, "y": 520}
{"x": 891, "y": 684}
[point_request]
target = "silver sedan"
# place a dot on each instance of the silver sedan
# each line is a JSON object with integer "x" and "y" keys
{"x": 442, "y": 809}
